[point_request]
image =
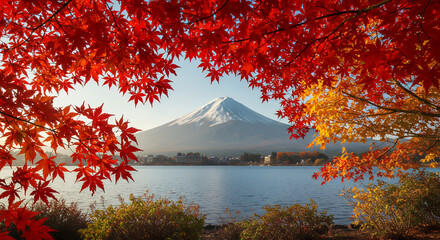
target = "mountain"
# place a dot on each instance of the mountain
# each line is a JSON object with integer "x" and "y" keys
{"x": 220, "y": 111}
{"x": 222, "y": 127}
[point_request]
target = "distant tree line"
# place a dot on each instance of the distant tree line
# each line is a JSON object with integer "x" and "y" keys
{"x": 306, "y": 158}
{"x": 250, "y": 157}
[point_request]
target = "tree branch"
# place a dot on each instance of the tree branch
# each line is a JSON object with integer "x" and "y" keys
{"x": 113, "y": 16}
{"x": 433, "y": 144}
{"x": 214, "y": 13}
{"x": 389, "y": 149}
{"x": 42, "y": 24}
{"x": 28, "y": 122}
{"x": 393, "y": 109}
{"x": 357, "y": 13}
{"x": 425, "y": 101}
{"x": 53, "y": 131}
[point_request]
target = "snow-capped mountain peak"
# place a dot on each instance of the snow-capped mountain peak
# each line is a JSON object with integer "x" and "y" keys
{"x": 222, "y": 110}
{"x": 224, "y": 127}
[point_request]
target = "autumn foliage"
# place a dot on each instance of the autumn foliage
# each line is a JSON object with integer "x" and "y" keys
{"x": 352, "y": 70}
{"x": 397, "y": 210}
{"x": 146, "y": 217}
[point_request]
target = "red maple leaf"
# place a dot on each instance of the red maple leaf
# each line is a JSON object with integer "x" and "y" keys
{"x": 25, "y": 177}
{"x": 123, "y": 171}
{"x": 42, "y": 191}
{"x": 92, "y": 181}
{"x": 46, "y": 164}
{"x": 5, "y": 236}
{"x": 37, "y": 231}
{"x": 5, "y": 158}
{"x": 59, "y": 171}
{"x": 10, "y": 192}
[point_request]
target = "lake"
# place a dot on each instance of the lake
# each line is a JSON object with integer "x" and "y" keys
{"x": 215, "y": 188}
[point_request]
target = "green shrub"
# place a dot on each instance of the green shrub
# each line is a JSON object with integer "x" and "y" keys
{"x": 395, "y": 210}
{"x": 284, "y": 223}
{"x": 146, "y": 218}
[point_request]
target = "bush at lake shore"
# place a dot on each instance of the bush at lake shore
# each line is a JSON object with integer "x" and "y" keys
{"x": 281, "y": 223}
{"x": 65, "y": 219}
{"x": 397, "y": 210}
{"x": 146, "y": 218}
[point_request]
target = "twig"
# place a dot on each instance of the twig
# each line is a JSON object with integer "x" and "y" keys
{"x": 358, "y": 12}
{"x": 428, "y": 114}
{"x": 415, "y": 95}
{"x": 214, "y": 13}
{"x": 41, "y": 24}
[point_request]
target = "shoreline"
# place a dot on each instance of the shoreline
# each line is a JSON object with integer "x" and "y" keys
{"x": 334, "y": 232}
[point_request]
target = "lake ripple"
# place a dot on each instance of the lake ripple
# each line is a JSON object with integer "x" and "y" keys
{"x": 215, "y": 188}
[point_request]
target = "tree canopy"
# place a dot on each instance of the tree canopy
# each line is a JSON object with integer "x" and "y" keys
{"x": 352, "y": 70}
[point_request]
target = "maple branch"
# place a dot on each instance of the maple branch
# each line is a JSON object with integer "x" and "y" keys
{"x": 433, "y": 144}
{"x": 299, "y": 54}
{"x": 59, "y": 24}
{"x": 337, "y": 27}
{"x": 423, "y": 100}
{"x": 52, "y": 16}
{"x": 374, "y": 114}
{"x": 214, "y": 13}
{"x": 266, "y": 17}
{"x": 427, "y": 114}
{"x": 421, "y": 24}
{"x": 42, "y": 24}
{"x": 419, "y": 135}
{"x": 357, "y": 13}
{"x": 53, "y": 131}
{"x": 353, "y": 121}
{"x": 148, "y": 11}
{"x": 398, "y": 133}
{"x": 389, "y": 149}
{"x": 29, "y": 122}
{"x": 267, "y": 33}
{"x": 113, "y": 16}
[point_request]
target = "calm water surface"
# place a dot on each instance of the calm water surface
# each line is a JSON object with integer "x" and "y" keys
{"x": 215, "y": 188}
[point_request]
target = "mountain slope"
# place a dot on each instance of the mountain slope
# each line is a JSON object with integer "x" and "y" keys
{"x": 222, "y": 110}
{"x": 222, "y": 127}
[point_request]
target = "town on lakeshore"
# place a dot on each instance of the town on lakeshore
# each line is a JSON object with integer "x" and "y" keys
{"x": 306, "y": 158}
{"x": 312, "y": 158}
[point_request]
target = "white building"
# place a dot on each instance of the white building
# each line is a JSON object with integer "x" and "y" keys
{"x": 267, "y": 159}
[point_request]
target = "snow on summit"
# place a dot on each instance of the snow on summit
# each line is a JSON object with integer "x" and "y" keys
{"x": 222, "y": 110}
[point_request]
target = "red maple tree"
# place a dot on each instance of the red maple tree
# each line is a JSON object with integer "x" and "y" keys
{"x": 281, "y": 47}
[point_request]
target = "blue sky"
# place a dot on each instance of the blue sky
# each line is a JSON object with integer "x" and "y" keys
{"x": 191, "y": 91}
